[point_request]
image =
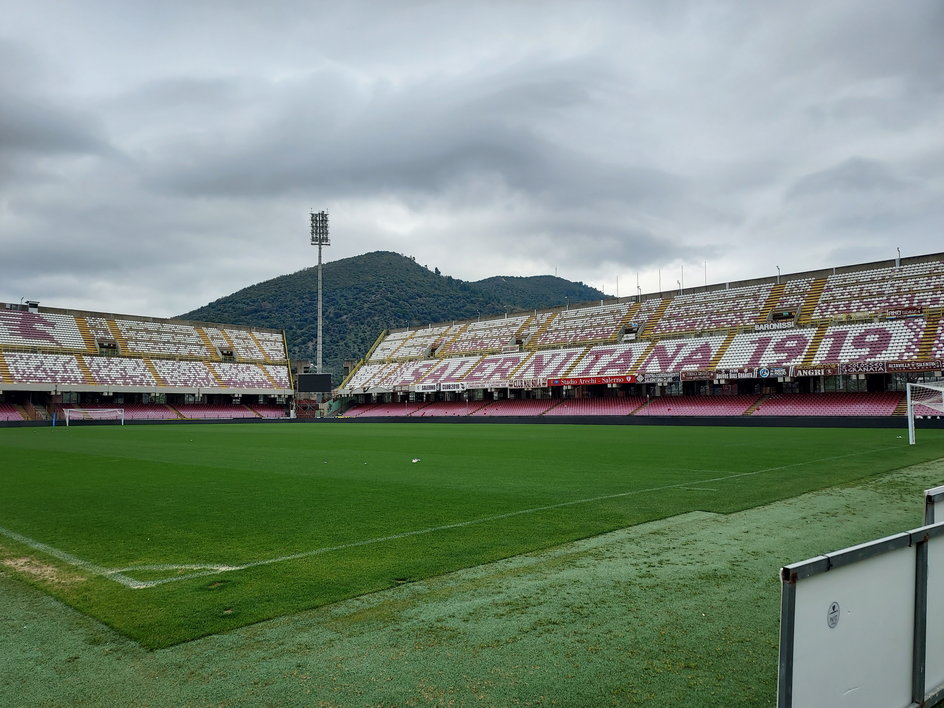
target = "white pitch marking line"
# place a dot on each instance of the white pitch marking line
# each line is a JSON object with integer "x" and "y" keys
{"x": 117, "y": 574}
{"x": 72, "y": 560}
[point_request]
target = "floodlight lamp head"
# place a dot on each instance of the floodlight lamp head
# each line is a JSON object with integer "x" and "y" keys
{"x": 319, "y": 229}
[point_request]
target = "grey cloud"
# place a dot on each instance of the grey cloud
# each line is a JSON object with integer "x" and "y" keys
{"x": 34, "y": 118}
{"x": 855, "y": 175}
{"x": 425, "y": 137}
{"x": 173, "y": 157}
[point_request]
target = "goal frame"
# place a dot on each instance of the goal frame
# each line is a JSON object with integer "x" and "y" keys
{"x": 86, "y": 414}
{"x": 911, "y": 402}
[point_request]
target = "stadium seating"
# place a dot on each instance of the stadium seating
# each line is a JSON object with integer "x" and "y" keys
{"x": 377, "y": 410}
{"x": 830, "y": 404}
{"x": 777, "y": 348}
{"x": 515, "y": 407}
{"x": 386, "y": 348}
{"x": 240, "y": 376}
{"x": 611, "y": 405}
{"x": 202, "y": 411}
{"x": 583, "y": 324}
{"x": 715, "y": 309}
{"x": 185, "y": 374}
{"x": 9, "y": 412}
{"x": 29, "y": 367}
{"x": 937, "y": 347}
{"x": 439, "y": 371}
{"x": 267, "y": 411}
{"x": 608, "y": 360}
{"x": 448, "y": 409}
{"x": 278, "y": 374}
{"x": 698, "y": 405}
{"x": 495, "y": 368}
{"x": 484, "y": 336}
{"x": 119, "y": 371}
{"x": 877, "y": 290}
{"x": 423, "y": 342}
{"x": 548, "y": 363}
{"x": 868, "y": 341}
{"x": 19, "y": 328}
{"x": 681, "y": 354}
{"x": 163, "y": 338}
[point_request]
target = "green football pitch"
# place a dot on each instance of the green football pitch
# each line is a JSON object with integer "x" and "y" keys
{"x": 168, "y": 533}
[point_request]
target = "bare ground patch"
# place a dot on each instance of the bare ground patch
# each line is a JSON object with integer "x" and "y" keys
{"x": 38, "y": 570}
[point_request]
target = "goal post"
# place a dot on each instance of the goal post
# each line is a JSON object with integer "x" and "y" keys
{"x": 921, "y": 400}
{"x": 71, "y": 415}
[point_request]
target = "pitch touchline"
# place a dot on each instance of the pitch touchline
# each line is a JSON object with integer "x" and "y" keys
{"x": 119, "y": 574}
{"x": 72, "y": 560}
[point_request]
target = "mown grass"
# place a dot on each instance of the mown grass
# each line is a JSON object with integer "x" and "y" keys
{"x": 235, "y": 495}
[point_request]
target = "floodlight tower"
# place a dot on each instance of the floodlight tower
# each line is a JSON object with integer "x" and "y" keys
{"x": 319, "y": 238}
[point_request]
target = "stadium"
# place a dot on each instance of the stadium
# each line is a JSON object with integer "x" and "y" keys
{"x": 837, "y": 343}
{"x": 516, "y": 562}
{"x": 842, "y": 342}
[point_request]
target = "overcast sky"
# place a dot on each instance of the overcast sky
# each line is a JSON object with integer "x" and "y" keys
{"x": 155, "y": 156}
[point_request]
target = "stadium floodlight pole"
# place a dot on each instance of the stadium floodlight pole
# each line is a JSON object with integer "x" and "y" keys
{"x": 778, "y": 274}
{"x": 319, "y": 238}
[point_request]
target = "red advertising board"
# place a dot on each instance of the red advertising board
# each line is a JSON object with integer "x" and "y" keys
{"x": 592, "y": 380}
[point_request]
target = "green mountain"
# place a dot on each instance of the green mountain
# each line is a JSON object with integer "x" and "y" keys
{"x": 364, "y": 295}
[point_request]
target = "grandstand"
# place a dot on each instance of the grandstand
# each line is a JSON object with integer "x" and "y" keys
{"x": 155, "y": 369}
{"x": 838, "y": 342}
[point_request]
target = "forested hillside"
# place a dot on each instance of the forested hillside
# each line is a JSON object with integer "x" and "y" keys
{"x": 367, "y": 294}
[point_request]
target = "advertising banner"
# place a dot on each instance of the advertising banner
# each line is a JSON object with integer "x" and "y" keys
{"x": 657, "y": 378}
{"x": 592, "y": 380}
{"x": 914, "y": 367}
{"x": 769, "y": 326}
{"x": 821, "y": 370}
{"x": 898, "y": 313}
{"x": 862, "y": 367}
{"x": 527, "y": 383}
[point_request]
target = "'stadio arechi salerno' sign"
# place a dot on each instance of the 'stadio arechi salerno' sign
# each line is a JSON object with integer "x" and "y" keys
{"x": 591, "y": 380}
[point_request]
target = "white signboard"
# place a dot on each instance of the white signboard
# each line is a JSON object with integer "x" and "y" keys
{"x": 853, "y": 628}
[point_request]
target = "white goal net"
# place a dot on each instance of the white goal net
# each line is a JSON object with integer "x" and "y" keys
{"x": 924, "y": 400}
{"x": 71, "y": 415}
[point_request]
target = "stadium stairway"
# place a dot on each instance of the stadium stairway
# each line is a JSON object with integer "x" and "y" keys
{"x": 539, "y": 332}
{"x": 642, "y": 357}
{"x": 265, "y": 354}
{"x": 776, "y": 292}
{"x": 624, "y": 323}
{"x": 208, "y": 343}
{"x": 90, "y": 344}
{"x": 153, "y": 369}
{"x": 527, "y": 324}
{"x": 447, "y": 346}
{"x": 756, "y": 404}
{"x": 653, "y": 321}
{"x": 86, "y": 372}
{"x": 119, "y": 337}
{"x": 805, "y": 316}
{"x": 902, "y": 407}
{"x": 927, "y": 338}
{"x": 5, "y": 376}
{"x": 722, "y": 350}
{"x": 268, "y": 377}
{"x": 813, "y": 347}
